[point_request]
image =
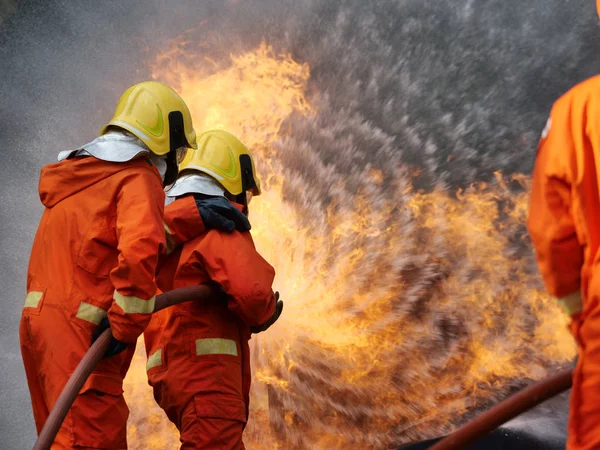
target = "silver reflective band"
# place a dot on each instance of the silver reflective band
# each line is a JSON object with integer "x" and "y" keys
{"x": 90, "y": 313}
{"x": 572, "y": 303}
{"x": 216, "y": 176}
{"x": 216, "y": 346}
{"x": 32, "y": 300}
{"x": 134, "y": 130}
{"x": 134, "y": 305}
{"x": 154, "y": 360}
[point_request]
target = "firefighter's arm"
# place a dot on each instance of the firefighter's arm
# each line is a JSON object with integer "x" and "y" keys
{"x": 231, "y": 260}
{"x": 188, "y": 217}
{"x": 141, "y": 239}
{"x": 551, "y": 224}
{"x": 182, "y": 222}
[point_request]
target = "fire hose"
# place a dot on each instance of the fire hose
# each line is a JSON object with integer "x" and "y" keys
{"x": 506, "y": 410}
{"x": 468, "y": 434}
{"x": 95, "y": 354}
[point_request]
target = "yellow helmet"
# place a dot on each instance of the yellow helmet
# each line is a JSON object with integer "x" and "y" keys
{"x": 226, "y": 159}
{"x": 157, "y": 115}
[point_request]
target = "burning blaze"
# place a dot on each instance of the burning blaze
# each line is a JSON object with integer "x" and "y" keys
{"x": 404, "y": 310}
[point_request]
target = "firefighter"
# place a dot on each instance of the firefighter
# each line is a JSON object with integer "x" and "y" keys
{"x": 199, "y": 361}
{"x": 564, "y": 224}
{"x": 94, "y": 259}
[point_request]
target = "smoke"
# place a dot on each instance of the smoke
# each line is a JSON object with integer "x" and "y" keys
{"x": 442, "y": 92}
{"x": 459, "y": 89}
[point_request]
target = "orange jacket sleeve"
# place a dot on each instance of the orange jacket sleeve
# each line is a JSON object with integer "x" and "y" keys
{"x": 141, "y": 238}
{"x": 182, "y": 222}
{"x": 550, "y": 223}
{"x": 231, "y": 260}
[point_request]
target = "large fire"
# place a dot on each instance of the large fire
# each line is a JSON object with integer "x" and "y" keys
{"x": 404, "y": 310}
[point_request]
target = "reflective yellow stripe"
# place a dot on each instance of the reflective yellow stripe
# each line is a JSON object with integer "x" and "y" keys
{"x": 216, "y": 346}
{"x": 90, "y": 313}
{"x": 170, "y": 239}
{"x": 33, "y": 299}
{"x": 134, "y": 305}
{"x": 572, "y": 303}
{"x": 154, "y": 360}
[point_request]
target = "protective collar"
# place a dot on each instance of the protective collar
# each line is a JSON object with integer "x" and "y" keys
{"x": 196, "y": 183}
{"x": 160, "y": 161}
{"x": 114, "y": 146}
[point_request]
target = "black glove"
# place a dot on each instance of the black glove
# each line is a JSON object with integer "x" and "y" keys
{"x": 272, "y": 319}
{"x": 115, "y": 347}
{"x": 218, "y": 213}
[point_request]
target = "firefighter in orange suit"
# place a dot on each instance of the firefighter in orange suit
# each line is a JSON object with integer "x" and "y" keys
{"x": 94, "y": 259}
{"x": 564, "y": 224}
{"x": 199, "y": 362}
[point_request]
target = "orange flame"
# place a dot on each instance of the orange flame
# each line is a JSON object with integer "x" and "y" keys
{"x": 402, "y": 314}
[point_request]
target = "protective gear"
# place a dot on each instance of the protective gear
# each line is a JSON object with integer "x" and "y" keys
{"x": 196, "y": 183}
{"x": 94, "y": 256}
{"x": 218, "y": 213}
{"x": 115, "y": 347}
{"x": 185, "y": 223}
{"x": 158, "y": 116}
{"x": 160, "y": 161}
{"x": 207, "y": 344}
{"x": 114, "y": 146}
{"x": 598, "y": 7}
{"x": 265, "y": 326}
{"x": 224, "y": 157}
{"x": 564, "y": 224}
{"x": 574, "y": 326}
{"x": 211, "y": 432}
{"x": 119, "y": 146}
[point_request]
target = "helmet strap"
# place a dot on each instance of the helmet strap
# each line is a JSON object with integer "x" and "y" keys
{"x": 172, "y": 170}
{"x": 242, "y": 200}
{"x": 176, "y": 140}
{"x": 248, "y": 181}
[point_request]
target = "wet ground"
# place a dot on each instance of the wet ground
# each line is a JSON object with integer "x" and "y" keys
{"x": 543, "y": 428}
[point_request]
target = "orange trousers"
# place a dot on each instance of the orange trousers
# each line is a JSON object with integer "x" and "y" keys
{"x": 584, "y": 413}
{"x": 208, "y": 433}
{"x": 98, "y": 418}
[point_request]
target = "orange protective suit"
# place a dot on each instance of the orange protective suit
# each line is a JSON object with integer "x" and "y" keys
{"x": 199, "y": 361}
{"x": 564, "y": 224}
{"x": 94, "y": 254}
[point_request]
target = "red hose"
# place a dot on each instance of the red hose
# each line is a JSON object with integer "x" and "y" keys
{"x": 95, "y": 354}
{"x": 506, "y": 410}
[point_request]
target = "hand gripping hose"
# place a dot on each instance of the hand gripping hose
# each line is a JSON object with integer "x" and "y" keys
{"x": 95, "y": 354}
{"x": 506, "y": 410}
